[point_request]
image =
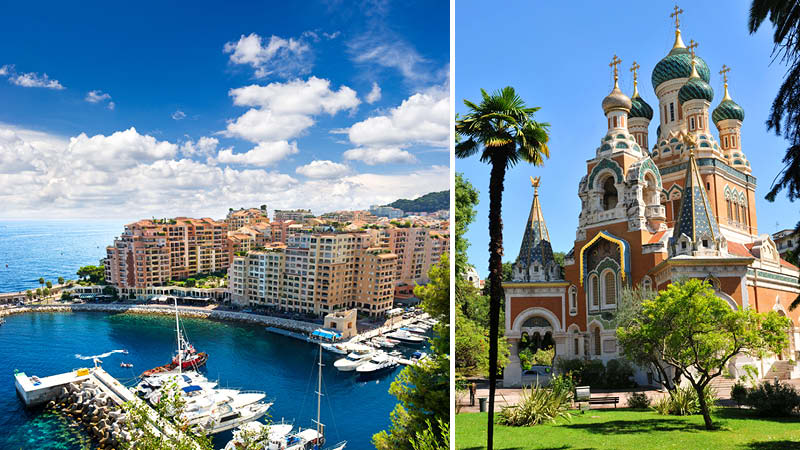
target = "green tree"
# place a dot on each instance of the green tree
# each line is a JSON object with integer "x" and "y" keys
{"x": 46, "y": 292}
{"x": 60, "y": 280}
{"x": 29, "y": 294}
{"x": 190, "y": 282}
{"x": 38, "y": 292}
{"x": 696, "y": 333}
{"x": 502, "y": 128}
{"x": 49, "y": 284}
{"x": 93, "y": 274}
{"x": 466, "y": 201}
{"x": 41, "y": 280}
{"x": 423, "y": 390}
{"x": 428, "y": 439}
{"x": 784, "y": 117}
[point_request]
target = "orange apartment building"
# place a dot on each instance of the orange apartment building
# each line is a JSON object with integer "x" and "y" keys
{"x": 417, "y": 249}
{"x": 682, "y": 206}
{"x": 152, "y": 252}
{"x": 242, "y": 217}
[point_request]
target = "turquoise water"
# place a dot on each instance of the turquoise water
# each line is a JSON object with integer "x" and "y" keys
{"x": 240, "y": 356}
{"x": 50, "y": 249}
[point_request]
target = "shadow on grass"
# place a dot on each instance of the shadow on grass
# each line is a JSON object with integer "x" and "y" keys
{"x": 773, "y": 445}
{"x": 635, "y": 426}
{"x": 734, "y": 413}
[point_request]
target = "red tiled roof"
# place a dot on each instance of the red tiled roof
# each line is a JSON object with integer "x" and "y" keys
{"x": 738, "y": 249}
{"x": 785, "y": 263}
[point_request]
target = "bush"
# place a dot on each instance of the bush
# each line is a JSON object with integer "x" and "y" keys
{"x": 773, "y": 399}
{"x": 563, "y": 383}
{"x": 617, "y": 374}
{"x": 638, "y": 400}
{"x": 543, "y": 357}
{"x": 683, "y": 401}
{"x": 536, "y": 405}
{"x": 739, "y": 394}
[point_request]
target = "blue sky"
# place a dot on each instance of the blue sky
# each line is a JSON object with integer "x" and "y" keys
{"x": 557, "y": 58}
{"x": 161, "y": 108}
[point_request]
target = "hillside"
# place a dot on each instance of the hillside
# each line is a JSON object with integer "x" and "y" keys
{"x": 433, "y": 201}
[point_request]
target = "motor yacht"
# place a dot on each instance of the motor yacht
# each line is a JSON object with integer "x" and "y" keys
{"x": 352, "y": 361}
{"x": 378, "y": 363}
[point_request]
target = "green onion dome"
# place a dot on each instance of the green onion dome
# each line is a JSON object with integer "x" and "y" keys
{"x": 727, "y": 109}
{"x": 640, "y": 108}
{"x": 616, "y": 100}
{"x": 695, "y": 89}
{"x": 678, "y": 64}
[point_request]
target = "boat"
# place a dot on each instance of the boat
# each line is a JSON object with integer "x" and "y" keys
{"x": 406, "y": 337}
{"x": 186, "y": 358}
{"x": 378, "y": 363}
{"x": 417, "y": 357}
{"x": 259, "y": 435}
{"x": 352, "y": 361}
{"x": 123, "y": 364}
{"x": 344, "y": 348}
{"x": 417, "y": 330}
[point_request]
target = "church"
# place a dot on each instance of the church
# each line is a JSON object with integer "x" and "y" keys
{"x": 652, "y": 212}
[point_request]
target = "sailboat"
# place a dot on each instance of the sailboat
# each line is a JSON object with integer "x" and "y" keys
{"x": 186, "y": 358}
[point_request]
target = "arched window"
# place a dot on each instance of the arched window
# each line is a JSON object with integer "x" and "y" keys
{"x": 573, "y": 300}
{"x": 615, "y": 121}
{"x": 672, "y": 112}
{"x": 594, "y": 291}
{"x": 577, "y": 347}
{"x": 691, "y": 123}
{"x": 744, "y": 215}
{"x": 730, "y": 211}
{"x": 647, "y": 284}
{"x": 609, "y": 194}
{"x": 597, "y": 344}
{"x": 738, "y": 219}
{"x": 609, "y": 288}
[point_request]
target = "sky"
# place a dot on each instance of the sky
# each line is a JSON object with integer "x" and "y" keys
{"x": 131, "y": 110}
{"x": 558, "y": 58}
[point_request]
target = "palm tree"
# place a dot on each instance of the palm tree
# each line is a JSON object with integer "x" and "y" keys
{"x": 60, "y": 280}
{"x": 785, "y": 115}
{"x": 503, "y": 130}
{"x": 41, "y": 280}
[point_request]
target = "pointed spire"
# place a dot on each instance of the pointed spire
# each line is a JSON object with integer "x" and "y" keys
{"x": 724, "y": 73}
{"x": 535, "y": 245}
{"x": 634, "y": 68}
{"x": 695, "y": 218}
{"x": 692, "y": 46}
{"x": 678, "y": 40}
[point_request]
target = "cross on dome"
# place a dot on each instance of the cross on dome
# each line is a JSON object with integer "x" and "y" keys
{"x": 692, "y": 45}
{"x": 676, "y": 15}
{"x": 614, "y": 63}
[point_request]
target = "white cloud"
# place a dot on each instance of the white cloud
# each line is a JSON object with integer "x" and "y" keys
{"x": 374, "y": 155}
{"x": 50, "y": 177}
{"x": 391, "y": 52}
{"x": 375, "y": 94}
{"x": 322, "y": 169}
{"x": 297, "y": 97}
{"x": 333, "y": 35}
{"x": 111, "y": 105}
{"x": 123, "y": 149}
{"x": 97, "y": 96}
{"x": 29, "y": 79}
{"x": 262, "y": 155}
{"x": 178, "y": 115}
{"x": 204, "y": 147}
{"x": 284, "y": 57}
{"x": 257, "y": 125}
{"x": 422, "y": 119}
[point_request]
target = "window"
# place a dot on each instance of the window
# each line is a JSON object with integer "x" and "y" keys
{"x": 691, "y": 123}
{"x": 665, "y": 113}
{"x": 610, "y": 288}
{"x": 672, "y": 112}
{"x": 647, "y": 285}
{"x": 725, "y": 142}
{"x": 744, "y": 215}
{"x": 738, "y": 219}
{"x": 573, "y": 300}
{"x": 730, "y": 211}
{"x": 615, "y": 121}
{"x": 609, "y": 194}
{"x": 597, "y": 348}
{"x": 576, "y": 346}
{"x": 594, "y": 292}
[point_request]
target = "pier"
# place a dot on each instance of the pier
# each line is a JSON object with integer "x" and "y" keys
{"x": 95, "y": 398}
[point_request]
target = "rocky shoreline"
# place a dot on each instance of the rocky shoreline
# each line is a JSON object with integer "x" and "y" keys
{"x": 184, "y": 311}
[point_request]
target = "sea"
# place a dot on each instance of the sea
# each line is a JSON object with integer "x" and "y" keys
{"x": 240, "y": 356}
{"x": 51, "y": 249}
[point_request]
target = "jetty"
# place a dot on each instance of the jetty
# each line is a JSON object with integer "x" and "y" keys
{"x": 93, "y": 397}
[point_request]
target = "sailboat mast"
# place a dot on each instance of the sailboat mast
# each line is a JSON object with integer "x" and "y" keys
{"x": 178, "y": 333}
{"x": 319, "y": 389}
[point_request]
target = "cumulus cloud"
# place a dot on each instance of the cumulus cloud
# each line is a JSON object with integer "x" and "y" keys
{"x": 258, "y": 125}
{"x": 204, "y": 147}
{"x": 374, "y": 155}
{"x": 297, "y": 97}
{"x": 97, "y": 96}
{"x": 323, "y": 169}
{"x": 375, "y": 94}
{"x": 30, "y": 79}
{"x": 111, "y": 105}
{"x": 178, "y": 115}
{"x": 55, "y": 175}
{"x": 279, "y": 56}
{"x": 262, "y": 155}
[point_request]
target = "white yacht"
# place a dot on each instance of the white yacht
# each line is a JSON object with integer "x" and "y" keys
{"x": 378, "y": 363}
{"x": 263, "y": 436}
{"x": 406, "y": 337}
{"x": 352, "y": 361}
{"x": 417, "y": 330}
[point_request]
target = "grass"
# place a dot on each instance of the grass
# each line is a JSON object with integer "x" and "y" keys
{"x": 630, "y": 429}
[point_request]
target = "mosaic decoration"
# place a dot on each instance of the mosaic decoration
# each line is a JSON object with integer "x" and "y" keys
{"x": 621, "y": 245}
{"x": 536, "y": 240}
{"x": 695, "y": 216}
{"x": 605, "y": 163}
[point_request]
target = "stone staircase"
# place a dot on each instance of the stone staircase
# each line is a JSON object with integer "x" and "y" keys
{"x": 722, "y": 386}
{"x": 783, "y": 370}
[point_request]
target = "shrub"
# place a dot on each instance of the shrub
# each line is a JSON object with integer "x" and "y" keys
{"x": 563, "y": 383}
{"x": 739, "y": 394}
{"x": 638, "y": 400}
{"x": 619, "y": 374}
{"x": 536, "y": 405}
{"x": 773, "y": 399}
{"x": 543, "y": 357}
{"x": 683, "y": 401}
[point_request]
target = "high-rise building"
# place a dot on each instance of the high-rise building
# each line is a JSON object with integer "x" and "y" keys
{"x": 152, "y": 252}
{"x": 241, "y": 217}
{"x": 417, "y": 249}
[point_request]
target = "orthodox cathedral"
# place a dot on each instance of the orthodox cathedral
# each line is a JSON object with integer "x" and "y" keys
{"x": 651, "y": 213}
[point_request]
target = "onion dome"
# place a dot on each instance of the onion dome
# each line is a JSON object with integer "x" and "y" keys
{"x": 639, "y": 107}
{"x": 678, "y": 64}
{"x": 616, "y": 100}
{"x": 727, "y": 109}
{"x": 695, "y": 89}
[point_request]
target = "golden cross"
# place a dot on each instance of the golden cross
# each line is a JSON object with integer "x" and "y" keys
{"x": 677, "y": 12}
{"x": 692, "y": 45}
{"x": 634, "y": 68}
{"x": 614, "y": 62}
{"x": 724, "y": 73}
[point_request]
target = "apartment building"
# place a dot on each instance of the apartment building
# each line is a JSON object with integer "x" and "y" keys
{"x": 350, "y": 216}
{"x": 786, "y": 241}
{"x": 297, "y": 215}
{"x": 317, "y": 273}
{"x": 242, "y": 217}
{"x": 152, "y": 252}
{"x": 417, "y": 249}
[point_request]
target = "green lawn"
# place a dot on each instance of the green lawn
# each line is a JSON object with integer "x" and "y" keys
{"x": 629, "y": 429}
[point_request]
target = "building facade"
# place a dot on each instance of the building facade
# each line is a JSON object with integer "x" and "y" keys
{"x": 297, "y": 215}
{"x": 652, "y": 212}
{"x": 786, "y": 241}
{"x": 153, "y": 252}
{"x": 242, "y": 217}
{"x": 417, "y": 249}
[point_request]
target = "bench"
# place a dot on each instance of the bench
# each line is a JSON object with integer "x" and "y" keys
{"x": 604, "y": 401}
